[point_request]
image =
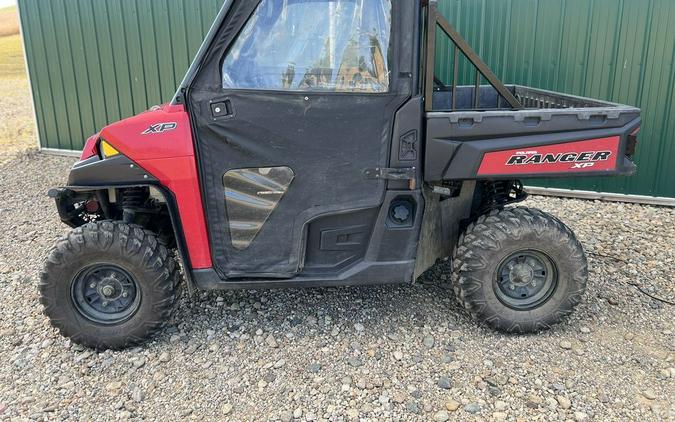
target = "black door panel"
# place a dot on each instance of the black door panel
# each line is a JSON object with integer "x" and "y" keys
{"x": 326, "y": 140}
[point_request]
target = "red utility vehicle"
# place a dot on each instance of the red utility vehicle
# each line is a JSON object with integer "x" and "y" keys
{"x": 311, "y": 144}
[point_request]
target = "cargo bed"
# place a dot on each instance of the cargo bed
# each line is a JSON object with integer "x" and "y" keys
{"x": 463, "y": 132}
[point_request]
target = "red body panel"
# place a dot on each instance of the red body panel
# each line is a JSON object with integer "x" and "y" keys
{"x": 90, "y": 147}
{"x": 131, "y": 138}
{"x": 573, "y": 157}
{"x": 160, "y": 141}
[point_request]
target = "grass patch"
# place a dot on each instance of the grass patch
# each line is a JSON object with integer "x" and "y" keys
{"x": 17, "y": 127}
{"x": 9, "y": 21}
{"x": 12, "y": 64}
{"x": 17, "y": 130}
{"x": 16, "y": 117}
{"x": 11, "y": 48}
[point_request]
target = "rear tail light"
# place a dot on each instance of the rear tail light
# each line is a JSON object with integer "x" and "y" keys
{"x": 631, "y": 146}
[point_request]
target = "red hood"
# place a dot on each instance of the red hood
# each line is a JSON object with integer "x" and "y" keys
{"x": 161, "y": 132}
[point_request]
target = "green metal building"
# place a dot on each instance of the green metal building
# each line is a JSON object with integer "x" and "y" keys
{"x": 92, "y": 62}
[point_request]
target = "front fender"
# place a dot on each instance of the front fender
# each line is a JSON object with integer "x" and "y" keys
{"x": 115, "y": 171}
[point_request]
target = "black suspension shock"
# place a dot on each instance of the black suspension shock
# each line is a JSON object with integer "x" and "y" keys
{"x": 493, "y": 195}
{"x": 132, "y": 200}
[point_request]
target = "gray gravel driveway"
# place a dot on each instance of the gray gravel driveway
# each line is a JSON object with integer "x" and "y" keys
{"x": 395, "y": 353}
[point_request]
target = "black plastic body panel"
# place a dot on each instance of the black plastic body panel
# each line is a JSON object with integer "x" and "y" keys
{"x": 442, "y": 225}
{"x": 407, "y": 150}
{"x": 336, "y": 241}
{"x": 365, "y": 273}
{"x": 118, "y": 170}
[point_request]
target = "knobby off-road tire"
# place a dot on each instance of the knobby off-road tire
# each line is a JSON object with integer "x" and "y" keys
{"x": 137, "y": 271}
{"x": 504, "y": 249}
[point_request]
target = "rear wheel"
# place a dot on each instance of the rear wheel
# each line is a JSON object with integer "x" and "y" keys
{"x": 109, "y": 285}
{"x": 519, "y": 270}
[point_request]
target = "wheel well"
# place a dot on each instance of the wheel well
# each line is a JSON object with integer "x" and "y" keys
{"x": 487, "y": 195}
{"x": 495, "y": 195}
{"x": 152, "y": 207}
{"x": 147, "y": 206}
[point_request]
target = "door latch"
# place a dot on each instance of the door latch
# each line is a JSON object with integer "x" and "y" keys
{"x": 222, "y": 109}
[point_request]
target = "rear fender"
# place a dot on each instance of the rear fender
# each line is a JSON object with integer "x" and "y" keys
{"x": 594, "y": 152}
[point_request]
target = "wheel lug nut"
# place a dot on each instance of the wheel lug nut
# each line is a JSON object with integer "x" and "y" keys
{"x": 512, "y": 287}
{"x": 92, "y": 285}
{"x": 125, "y": 294}
{"x": 105, "y": 304}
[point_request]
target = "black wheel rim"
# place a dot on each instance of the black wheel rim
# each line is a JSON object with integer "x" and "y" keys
{"x": 106, "y": 294}
{"x": 525, "y": 280}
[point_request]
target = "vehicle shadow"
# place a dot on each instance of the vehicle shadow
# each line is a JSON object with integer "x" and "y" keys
{"x": 314, "y": 312}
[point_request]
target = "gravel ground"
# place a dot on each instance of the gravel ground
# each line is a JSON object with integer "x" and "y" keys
{"x": 371, "y": 353}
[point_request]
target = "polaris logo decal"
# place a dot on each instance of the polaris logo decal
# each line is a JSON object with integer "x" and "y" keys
{"x": 593, "y": 155}
{"x": 160, "y": 128}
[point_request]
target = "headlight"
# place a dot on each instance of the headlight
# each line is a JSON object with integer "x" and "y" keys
{"x": 107, "y": 150}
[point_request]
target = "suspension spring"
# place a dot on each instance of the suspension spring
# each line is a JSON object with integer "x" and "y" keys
{"x": 132, "y": 199}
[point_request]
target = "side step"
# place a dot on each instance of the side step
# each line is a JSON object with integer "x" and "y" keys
{"x": 364, "y": 273}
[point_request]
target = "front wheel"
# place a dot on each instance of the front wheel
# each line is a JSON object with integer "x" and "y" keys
{"x": 519, "y": 270}
{"x": 109, "y": 285}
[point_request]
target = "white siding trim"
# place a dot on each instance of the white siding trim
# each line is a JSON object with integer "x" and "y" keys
{"x": 603, "y": 196}
{"x": 61, "y": 152}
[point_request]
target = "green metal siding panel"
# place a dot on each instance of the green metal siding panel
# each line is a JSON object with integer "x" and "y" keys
{"x": 95, "y": 61}
{"x": 616, "y": 50}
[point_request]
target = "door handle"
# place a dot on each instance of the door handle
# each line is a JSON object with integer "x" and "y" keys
{"x": 222, "y": 109}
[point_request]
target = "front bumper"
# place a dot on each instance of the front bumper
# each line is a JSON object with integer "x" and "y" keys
{"x": 69, "y": 204}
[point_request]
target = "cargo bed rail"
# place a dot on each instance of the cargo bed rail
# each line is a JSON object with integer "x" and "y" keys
{"x": 536, "y": 103}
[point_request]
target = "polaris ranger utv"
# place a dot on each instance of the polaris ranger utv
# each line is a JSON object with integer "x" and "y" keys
{"x": 311, "y": 144}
